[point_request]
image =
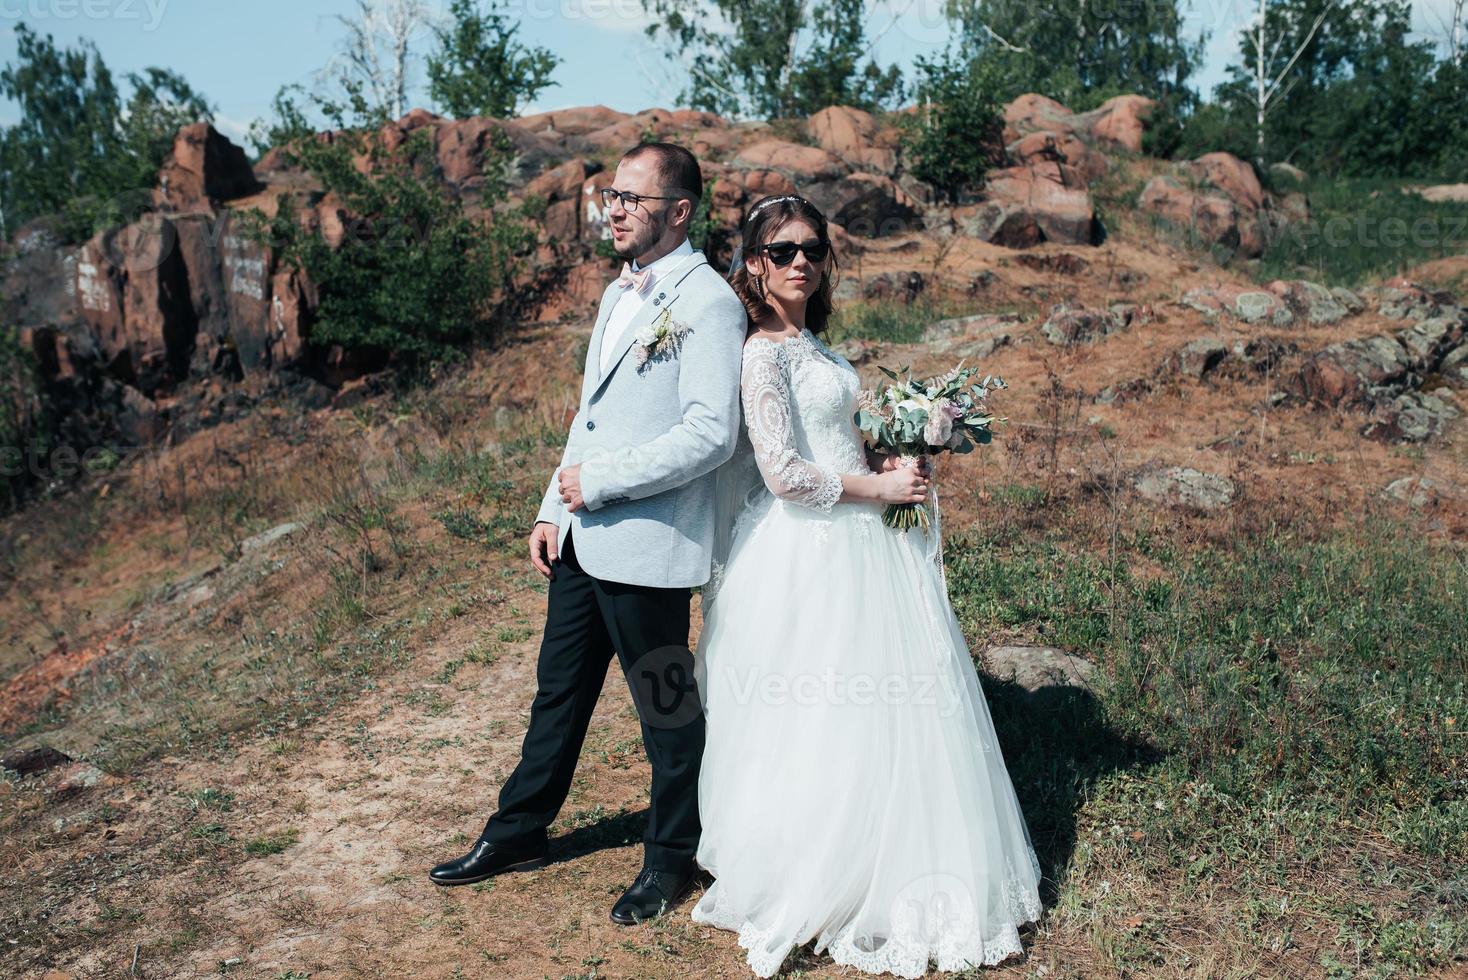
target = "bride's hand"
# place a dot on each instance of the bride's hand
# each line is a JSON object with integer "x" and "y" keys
{"x": 902, "y": 485}
{"x": 891, "y": 462}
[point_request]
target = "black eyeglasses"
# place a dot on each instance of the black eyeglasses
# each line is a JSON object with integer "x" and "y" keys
{"x": 783, "y": 253}
{"x": 630, "y": 201}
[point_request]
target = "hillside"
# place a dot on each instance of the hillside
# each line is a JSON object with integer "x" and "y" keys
{"x": 274, "y": 664}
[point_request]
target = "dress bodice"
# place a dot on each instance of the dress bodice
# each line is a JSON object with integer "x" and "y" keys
{"x": 799, "y": 399}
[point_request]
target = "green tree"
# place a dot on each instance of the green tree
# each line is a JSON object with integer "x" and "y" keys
{"x": 776, "y": 59}
{"x": 78, "y": 144}
{"x": 414, "y": 279}
{"x": 480, "y": 68}
{"x": 1081, "y": 52}
{"x": 958, "y": 127}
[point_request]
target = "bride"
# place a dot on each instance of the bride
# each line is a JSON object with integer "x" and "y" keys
{"x": 852, "y": 789}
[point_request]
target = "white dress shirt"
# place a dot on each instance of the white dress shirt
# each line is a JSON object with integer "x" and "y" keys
{"x": 631, "y": 300}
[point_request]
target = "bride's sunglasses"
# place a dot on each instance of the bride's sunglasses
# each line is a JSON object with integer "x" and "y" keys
{"x": 783, "y": 253}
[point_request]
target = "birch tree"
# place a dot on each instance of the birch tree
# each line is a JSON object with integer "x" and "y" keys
{"x": 377, "y": 51}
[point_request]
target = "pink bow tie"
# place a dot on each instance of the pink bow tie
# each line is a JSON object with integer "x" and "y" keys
{"x": 637, "y": 280}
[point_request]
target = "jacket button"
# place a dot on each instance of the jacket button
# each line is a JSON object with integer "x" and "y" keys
{"x": 590, "y": 424}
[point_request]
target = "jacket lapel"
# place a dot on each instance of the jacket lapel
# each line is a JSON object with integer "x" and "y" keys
{"x": 665, "y": 290}
{"x": 591, "y": 375}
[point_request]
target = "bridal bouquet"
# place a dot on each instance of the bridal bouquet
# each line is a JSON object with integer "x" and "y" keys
{"x": 910, "y": 418}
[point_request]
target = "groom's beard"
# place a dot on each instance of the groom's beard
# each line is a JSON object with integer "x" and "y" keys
{"x": 642, "y": 237}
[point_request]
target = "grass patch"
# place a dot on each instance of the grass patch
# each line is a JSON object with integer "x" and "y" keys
{"x": 1276, "y": 725}
{"x": 893, "y": 322}
{"x": 1364, "y": 229}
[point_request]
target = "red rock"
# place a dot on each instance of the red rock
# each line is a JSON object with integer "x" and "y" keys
{"x": 1120, "y": 121}
{"x": 1066, "y": 148}
{"x": 794, "y": 160}
{"x": 203, "y": 169}
{"x": 1234, "y": 177}
{"x": 1027, "y": 205}
{"x": 1035, "y": 113}
{"x": 866, "y": 205}
{"x": 1208, "y": 219}
{"x": 569, "y": 122}
{"x": 841, "y": 129}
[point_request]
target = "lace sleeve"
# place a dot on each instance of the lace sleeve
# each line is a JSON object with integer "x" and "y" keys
{"x": 765, "y": 394}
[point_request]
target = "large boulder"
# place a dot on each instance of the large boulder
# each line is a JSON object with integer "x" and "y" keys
{"x": 1041, "y": 202}
{"x": 1117, "y": 124}
{"x": 1060, "y": 148}
{"x": 867, "y": 205}
{"x": 1068, "y": 324}
{"x": 203, "y": 169}
{"x": 841, "y": 129}
{"x": 1355, "y": 371}
{"x": 1207, "y": 219}
{"x": 1413, "y": 416}
{"x": 796, "y": 161}
{"x": 569, "y": 122}
{"x": 1252, "y": 306}
{"x": 1311, "y": 301}
{"x": 561, "y": 189}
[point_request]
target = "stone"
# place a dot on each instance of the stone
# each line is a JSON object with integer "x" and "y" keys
{"x": 799, "y": 163}
{"x": 1454, "y": 367}
{"x": 1039, "y": 202}
{"x": 1234, "y": 177}
{"x": 866, "y": 205}
{"x": 202, "y": 170}
{"x": 1037, "y": 668}
{"x": 569, "y": 122}
{"x": 1429, "y": 339}
{"x": 1066, "y": 148}
{"x": 1354, "y": 371}
{"x": 1208, "y": 220}
{"x": 1197, "y": 358}
{"x": 970, "y": 337}
{"x": 1413, "y": 416}
{"x": 841, "y": 129}
{"x": 904, "y": 287}
{"x": 1183, "y": 486}
{"x": 1119, "y": 122}
{"x": 1246, "y": 305}
{"x": 37, "y": 758}
{"x": 1123, "y": 391}
{"x": 1068, "y": 324}
{"x": 265, "y": 539}
{"x": 1310, "y": 301}
{"x": 1417, "y": 491}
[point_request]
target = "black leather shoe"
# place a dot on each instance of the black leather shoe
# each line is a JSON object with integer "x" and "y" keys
{"x": 485, "y": 860}
{"x": 652, "y": 894}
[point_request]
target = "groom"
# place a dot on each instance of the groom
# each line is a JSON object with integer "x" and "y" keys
{"x": 625, "y": 531}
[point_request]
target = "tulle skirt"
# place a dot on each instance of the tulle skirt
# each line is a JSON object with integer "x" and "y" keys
{"x": 852, "y": 789}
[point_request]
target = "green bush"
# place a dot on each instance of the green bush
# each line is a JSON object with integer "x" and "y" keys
{"x": 414, "y": 279}
{"x": 958, "y": 129}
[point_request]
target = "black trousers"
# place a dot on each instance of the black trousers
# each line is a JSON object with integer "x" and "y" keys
{"x": 587, "y": 619}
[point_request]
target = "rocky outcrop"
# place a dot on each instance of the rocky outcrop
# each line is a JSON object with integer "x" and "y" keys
{"x": 203, "y": 170}
{"x": 1039, "y": 202}
{"x": 1217, "y": 202}
{"x": 1252, "y": 306}
{"x": 1118, "y": 124}
{"x": 1068, "y": 324}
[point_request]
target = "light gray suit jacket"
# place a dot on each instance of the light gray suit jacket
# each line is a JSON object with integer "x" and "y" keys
{"x": 649, "y": 438}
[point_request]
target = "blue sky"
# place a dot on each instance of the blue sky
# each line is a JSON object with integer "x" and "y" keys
{"x": 238, "y": 54}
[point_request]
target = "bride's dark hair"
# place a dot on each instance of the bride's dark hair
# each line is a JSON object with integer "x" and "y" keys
{"x": 768, "y": 215}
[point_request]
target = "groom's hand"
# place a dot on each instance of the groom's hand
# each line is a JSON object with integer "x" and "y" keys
{"x": 571, "y": 486}
{"x": 543, "y": 546}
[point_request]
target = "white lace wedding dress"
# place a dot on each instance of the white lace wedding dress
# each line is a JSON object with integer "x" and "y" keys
{"x": 852, "y": 788}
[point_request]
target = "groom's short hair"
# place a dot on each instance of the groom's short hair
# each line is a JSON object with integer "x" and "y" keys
{"x": 676, "y": 168}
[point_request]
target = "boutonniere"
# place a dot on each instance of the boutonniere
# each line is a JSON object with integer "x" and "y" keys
{"x": 660, "y": 339}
